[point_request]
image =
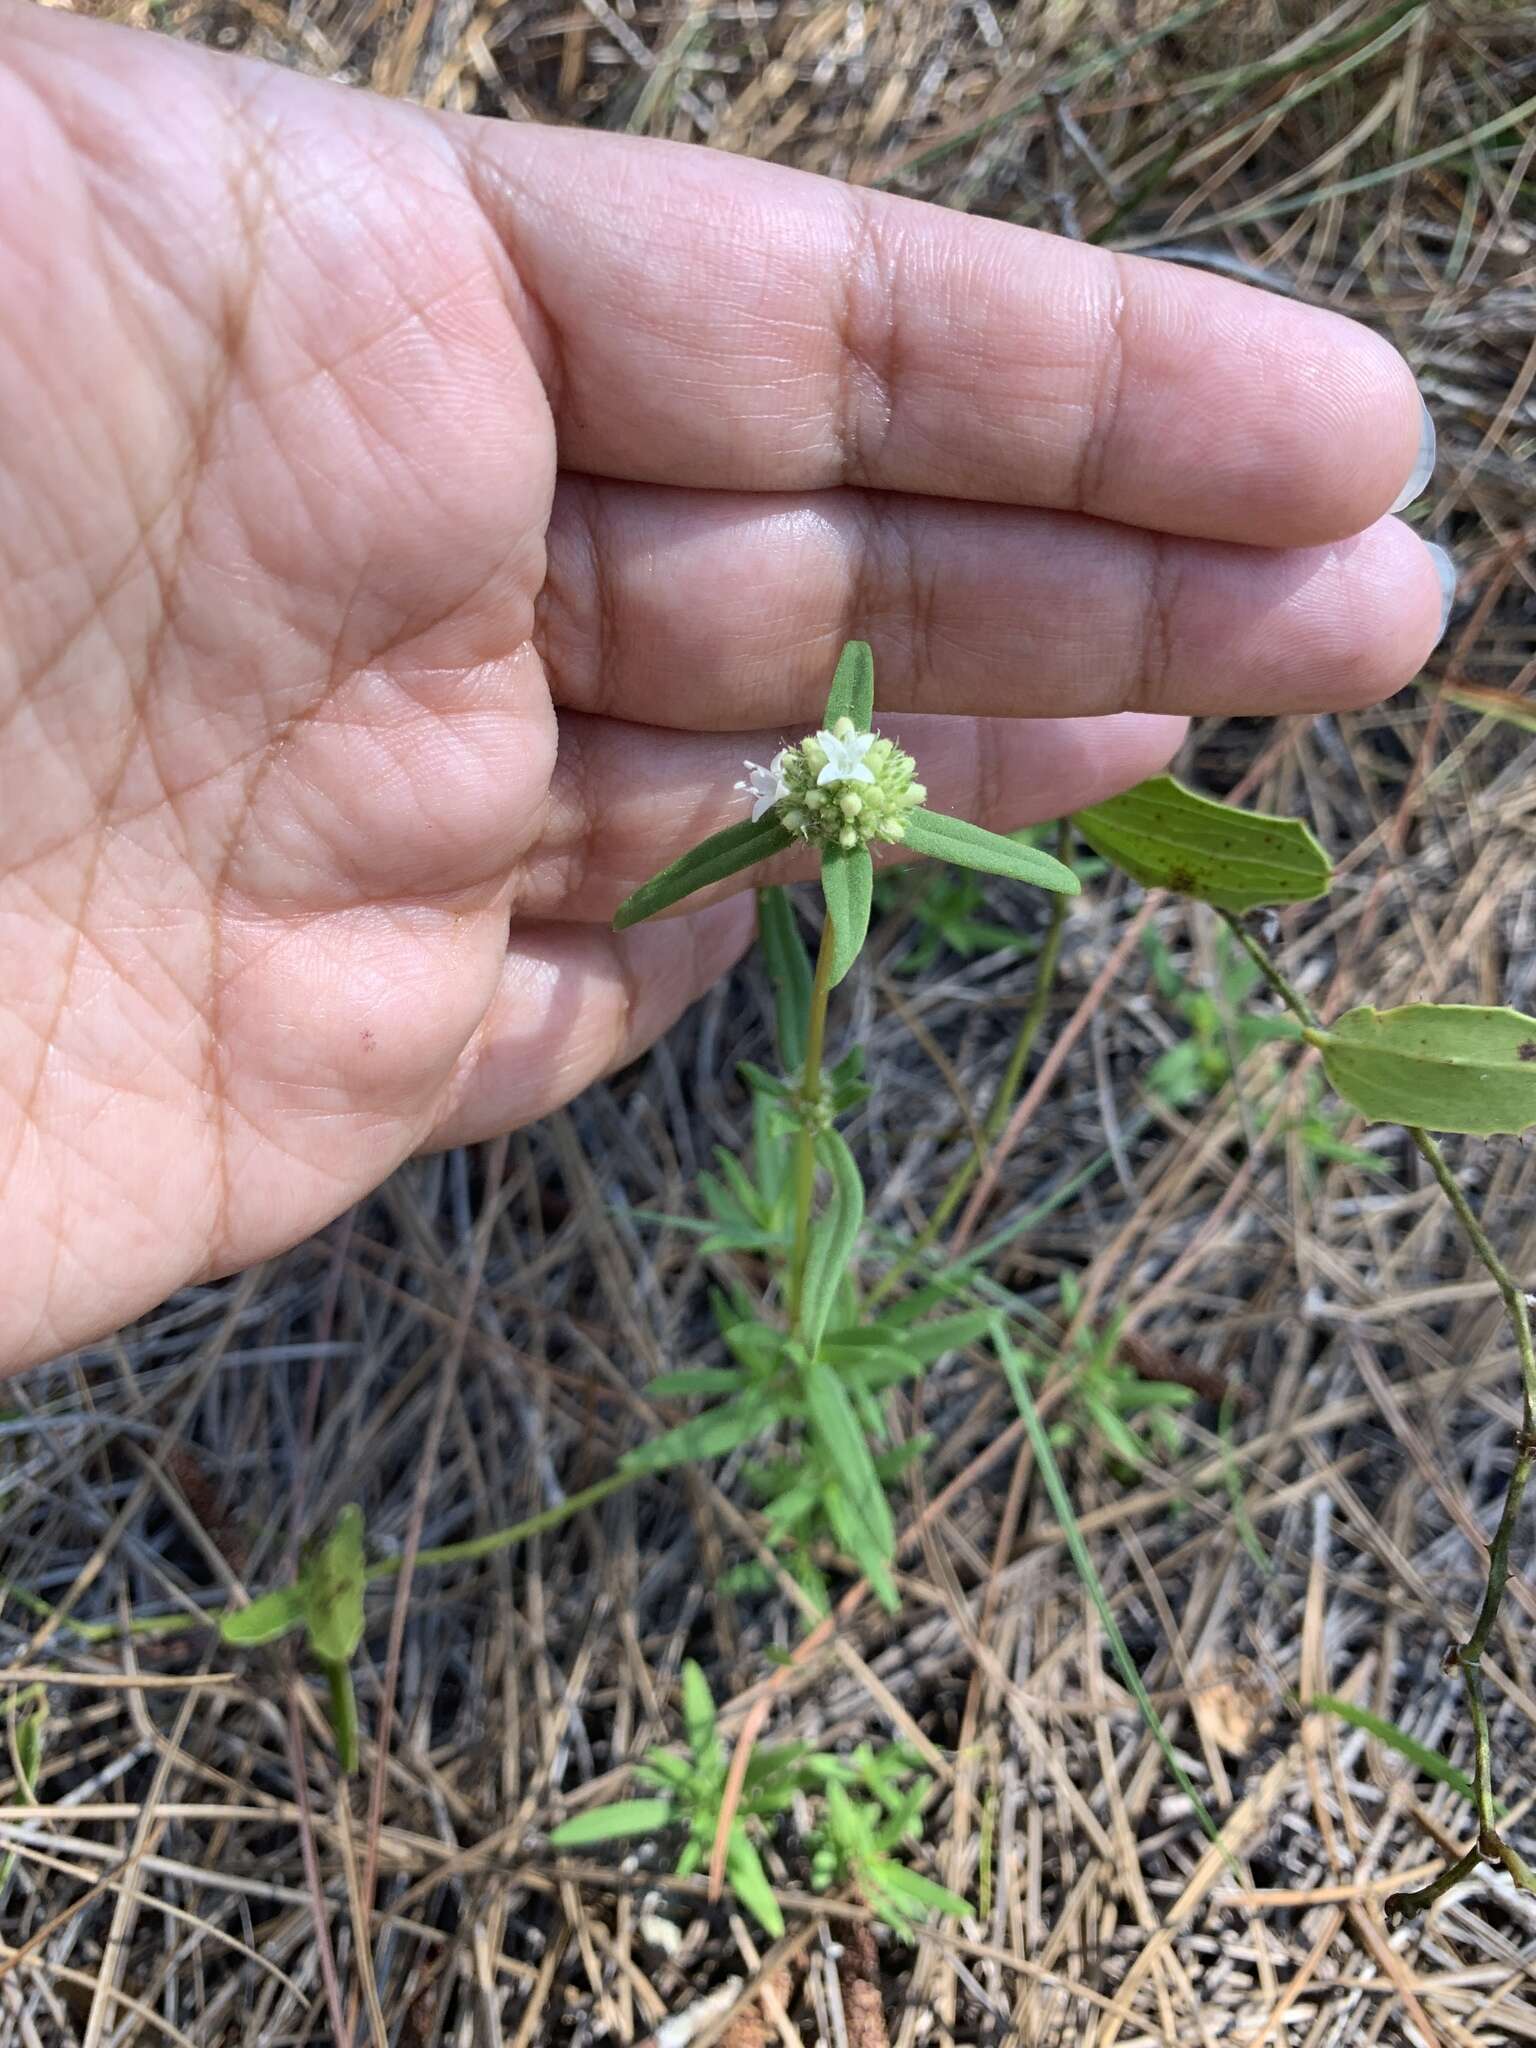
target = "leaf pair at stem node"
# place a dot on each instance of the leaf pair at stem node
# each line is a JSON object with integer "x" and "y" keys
{"x": 840, "y": 790}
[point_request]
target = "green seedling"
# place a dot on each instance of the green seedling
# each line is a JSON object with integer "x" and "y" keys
{"x": 327, "y": 1602}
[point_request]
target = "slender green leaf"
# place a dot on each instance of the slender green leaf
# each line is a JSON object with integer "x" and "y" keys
{"x": 661, "y": 1767}
{"x": 871, "y": 1372}
{"x": 924, "y": 1342}
{"x": 911, "y": 1884}
{"x": 749, "y": 1881}
{"x": 853, "y": 687}
{"x": 789, "y": 973}
{"x": 29, "y": 1753}
{"x": 704, "y": 1379}
{"x": 1426, "y": 1760}
{"x": 854, "y": 1535}
{"x": 1447, "y": 1066}
{"x": 1167, "y": 837}
{"x": 706, "y": 1436}
{"x": 848, "y": 884}
{"x": 273, "y": 1615}
{"x": 332, "y": 1585}
{"x": 833, "y": 1235}
{"x": 740, "y": 1183}
{"x": 835, "y": 1426}
{"x": 612, "y": 1823}
{"x": 1116, "y": 1434}
{"x": 698, "y": 1708}
{"x": 712, "y": 860}
{"x": 970, "y": 846}
{"x": 791, "y": 1506}
{"x": 1077, "y": 1549}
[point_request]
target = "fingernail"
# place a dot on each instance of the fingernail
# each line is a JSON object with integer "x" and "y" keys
{"x": 1445, "y": 569}
{"x": 1424, "y": 466}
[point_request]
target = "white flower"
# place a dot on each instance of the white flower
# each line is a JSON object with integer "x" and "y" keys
{"x": 845, "y": 757}
{"x": 766, "y": 786}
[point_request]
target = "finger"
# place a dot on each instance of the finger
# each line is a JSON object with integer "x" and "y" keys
{"x": 627, "y": 799}
{"x": 576, "y": 1002}
{"x": 706, "y": 320}
{"x": 703, "y": 610}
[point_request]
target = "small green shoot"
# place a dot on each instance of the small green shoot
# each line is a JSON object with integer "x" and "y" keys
{"x": 853, "y": 1849}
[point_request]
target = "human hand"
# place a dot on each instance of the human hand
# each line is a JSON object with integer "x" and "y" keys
{"x": 352, "y": 457}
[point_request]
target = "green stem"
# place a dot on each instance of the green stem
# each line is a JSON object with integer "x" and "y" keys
{"x": 465, "y": 1552}
{"x": 1007, "y": 1091}
{"x": 810, "y": 1103}
{"x": 1468, "y": 1655}
{"x": 1039, "y": 1002}
{"x": 1291, "y": 996}
{"x": 474, "y": 1547}
{"x": 338, "y": 1677}
{"x": 1401, "y": 1904}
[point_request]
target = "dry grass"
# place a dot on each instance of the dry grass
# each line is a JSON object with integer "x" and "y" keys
{"x": 472, "y": 1344}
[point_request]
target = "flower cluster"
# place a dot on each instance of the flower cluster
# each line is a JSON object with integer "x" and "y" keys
{"x": 838, "y": 788}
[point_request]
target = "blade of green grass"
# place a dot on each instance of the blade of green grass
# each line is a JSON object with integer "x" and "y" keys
{"x": 1077, "y": 1550}
{"x": 1428, "y": 1761}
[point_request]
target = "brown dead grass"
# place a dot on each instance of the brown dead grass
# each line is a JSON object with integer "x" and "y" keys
{"x": 473, "y": 1343}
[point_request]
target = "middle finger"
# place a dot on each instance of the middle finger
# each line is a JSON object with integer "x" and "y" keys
{"x": 713, "y": 611}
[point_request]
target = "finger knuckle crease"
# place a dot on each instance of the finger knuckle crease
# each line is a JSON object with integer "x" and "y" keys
{"x": 1108, "y": 391}
{"x": 868, "y": 338}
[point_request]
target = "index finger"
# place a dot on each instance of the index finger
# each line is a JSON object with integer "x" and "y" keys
{"x": 706, "y": 320}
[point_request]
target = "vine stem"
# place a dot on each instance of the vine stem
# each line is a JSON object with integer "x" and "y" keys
{"x": 1465, "y": 1657}
{"x": 810, "y": 1104}
{"x": 473, "y": 1547}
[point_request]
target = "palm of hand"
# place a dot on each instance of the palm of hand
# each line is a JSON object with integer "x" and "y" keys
{"x": 278, "y": 735}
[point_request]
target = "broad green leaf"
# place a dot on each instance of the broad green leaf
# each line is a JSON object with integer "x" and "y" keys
{"x": 1428, "y": 1761}
{"x": 749, "y": 1881}
{"x": 1093, "y": 1585}
{"x": 698, "y": 1708}
{"x": 1446, "y": 1066}
{"x": 612, "y": 1823}
{"x": 848, "y": 884}
{"x": 853, "y": 687}
{"x": 332, "y": 1585}
{"x": 789, "y": 973}
{"x": 970, "y": 846}
{"x": 1166, "y": 837}
{"x": 833, "y": 1235}
{"x": 265, "y": 1619}
{"x": 712, "y": 860}
{"x": 707, "y": 1436}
